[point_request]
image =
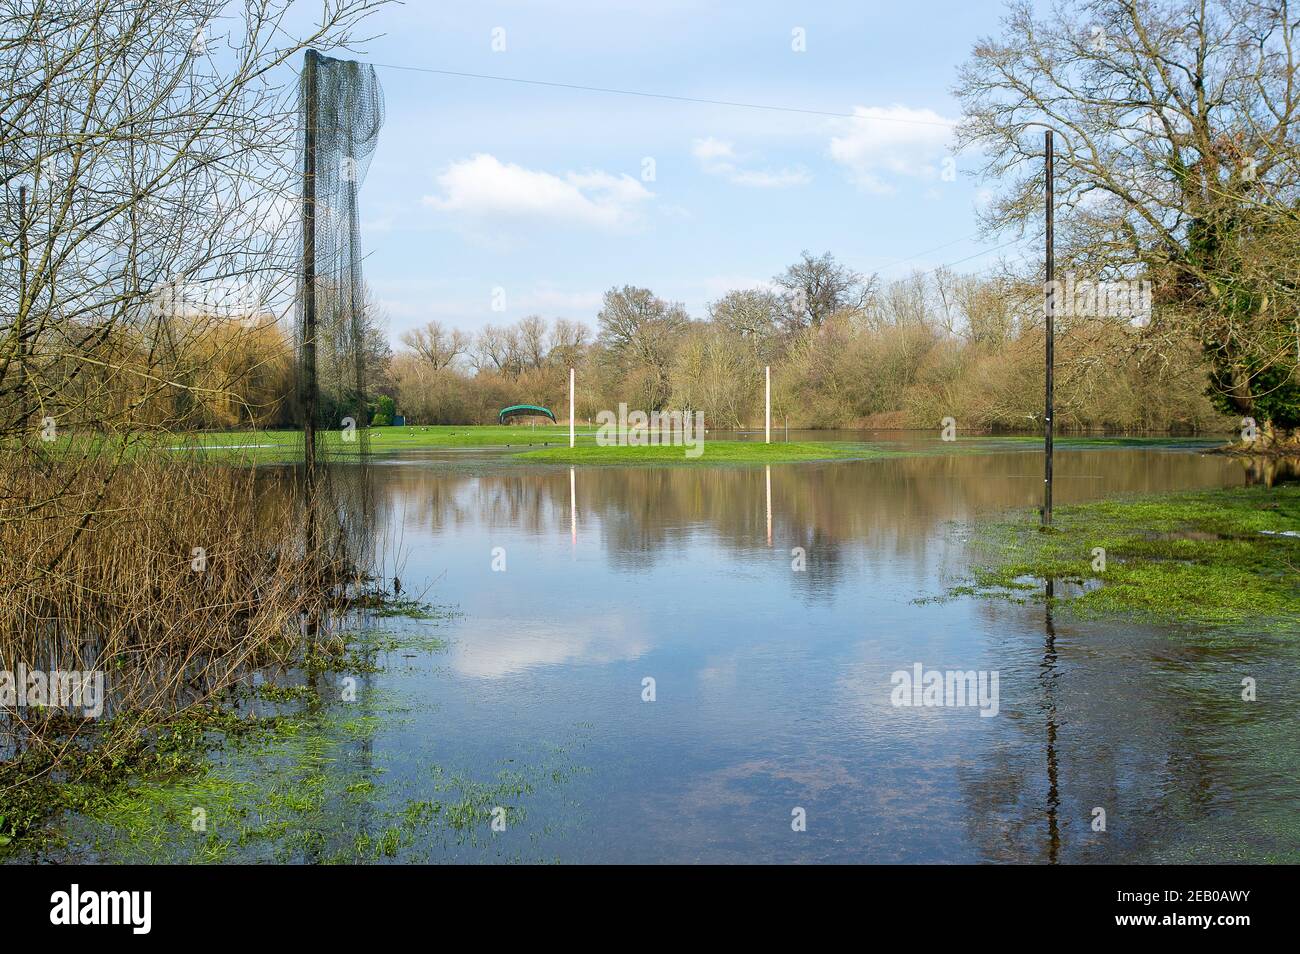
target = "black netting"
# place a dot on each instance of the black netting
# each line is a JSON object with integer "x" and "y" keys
{"x": 341, "y": 108}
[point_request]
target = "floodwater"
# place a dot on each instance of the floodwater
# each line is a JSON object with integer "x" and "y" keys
{"x": 772, "y": 684}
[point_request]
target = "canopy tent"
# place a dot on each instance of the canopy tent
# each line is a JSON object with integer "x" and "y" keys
{"x": 524, "y": 410}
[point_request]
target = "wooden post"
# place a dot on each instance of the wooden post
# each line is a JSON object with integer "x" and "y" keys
{"x": 1051, "y": 332}
{"x": 571, "y": 434}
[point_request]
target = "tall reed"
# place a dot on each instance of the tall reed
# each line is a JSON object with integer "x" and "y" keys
{"x": 172, "y": 578}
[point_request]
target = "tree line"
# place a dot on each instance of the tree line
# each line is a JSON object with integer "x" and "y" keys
{"x": 845, "y": 350}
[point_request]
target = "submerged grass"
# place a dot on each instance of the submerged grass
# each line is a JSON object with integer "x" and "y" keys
{"x": 283, "y": 771}
{"x": 1218, "y": 559}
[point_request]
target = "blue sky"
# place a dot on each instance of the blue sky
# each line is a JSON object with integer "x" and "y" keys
{"x": 543, "y": 193}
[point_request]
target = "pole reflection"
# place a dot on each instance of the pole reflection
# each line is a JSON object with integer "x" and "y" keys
{"x": 1048, "y": 676}
{"x": 768, "y": 468}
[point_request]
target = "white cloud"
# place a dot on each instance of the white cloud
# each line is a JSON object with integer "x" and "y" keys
{"x": 482, "y": 187}
{"x": 719, "y": 158}
{"x": 881, "y": 143}
{"x": 712, "y": 150}
{"x": 497, "y": 648}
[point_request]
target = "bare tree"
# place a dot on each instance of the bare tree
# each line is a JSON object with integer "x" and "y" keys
{"x": 532, "y": 341}
{"x": 569, "y": 339}
{"x": 493, "y": 350}
{"x": 639, "y": 332}
{"x": 153, "y": 145}
{"x": 814, "y": 288}
{"x": 437, "y": 345}
{"x": 752, "y": 314}
{"x": 1180, "y": 164}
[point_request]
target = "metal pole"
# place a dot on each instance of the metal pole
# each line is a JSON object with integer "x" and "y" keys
{"x": 571, "y": 434}
{"x": 1050, "y": 292}
{"x": 311, "y": 396}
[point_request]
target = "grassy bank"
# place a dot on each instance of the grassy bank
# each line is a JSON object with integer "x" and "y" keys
{"x": 537, "y": 445}
{"x": 1215, "y": 558}
{"x": 276, "y": 446}
{"x": 549, "y": 444}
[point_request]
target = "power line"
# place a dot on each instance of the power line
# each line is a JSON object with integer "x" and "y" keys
{"x": 667, "y": 96}
{"x": 899, "y": 261}
{"x": 938, "y": 268}
{"x": 987, "y": 251}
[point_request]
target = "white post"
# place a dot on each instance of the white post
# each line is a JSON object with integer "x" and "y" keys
{"x": 767, "y": 414}
{"x": 571, "y": 407}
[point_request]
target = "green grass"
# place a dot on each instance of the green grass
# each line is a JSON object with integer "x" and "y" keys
{"x": 1198, "y": 558}
{"x": 712, "y": 452}
{"x": 271, "y": 446}
{"x": 278, "y": 446}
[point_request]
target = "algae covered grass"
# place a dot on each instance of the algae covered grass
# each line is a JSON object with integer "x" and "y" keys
{"x": 284, "y": 769}
{"x": 1225, "y": 559}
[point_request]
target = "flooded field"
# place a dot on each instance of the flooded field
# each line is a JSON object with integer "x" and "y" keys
{"x": 691, "y": 664}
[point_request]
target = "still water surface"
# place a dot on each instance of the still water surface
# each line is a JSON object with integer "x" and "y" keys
{"x": 772, "y": 686}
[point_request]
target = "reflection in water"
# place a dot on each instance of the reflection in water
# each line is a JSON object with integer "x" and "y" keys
{"x": 773, "y": 684}
{"x": 1270, "y": 471}
{"x": 768, "y": 475}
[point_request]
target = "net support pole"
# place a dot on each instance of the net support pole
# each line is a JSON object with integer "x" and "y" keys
{"x": 1050, "y": 308}
{"x": 571, "y": 431}
{"x": 356, "y": 309}
{"x": 24, "y": 406}
{"x": 311, "y": 384}
{"x": 767, "y": 402}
